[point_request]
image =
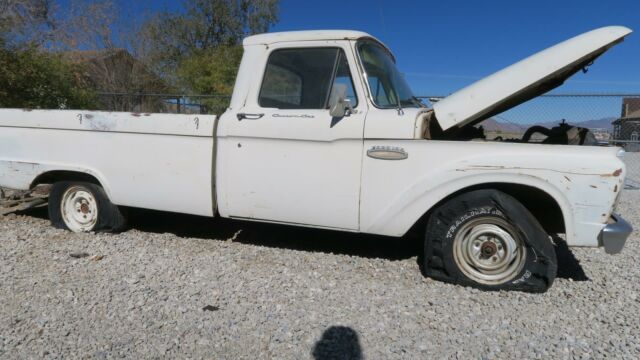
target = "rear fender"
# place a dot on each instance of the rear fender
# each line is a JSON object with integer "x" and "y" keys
{"x": 23, "y": 175}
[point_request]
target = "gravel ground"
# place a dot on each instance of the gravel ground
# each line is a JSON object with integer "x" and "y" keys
{"x": 182, "y": 286}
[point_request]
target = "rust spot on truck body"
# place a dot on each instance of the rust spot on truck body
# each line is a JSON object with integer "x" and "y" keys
{"x": 613, "y": 174}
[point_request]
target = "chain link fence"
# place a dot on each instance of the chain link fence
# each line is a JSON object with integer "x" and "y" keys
{"x": 163, "y": 103}
{"x": 612, "y": 118}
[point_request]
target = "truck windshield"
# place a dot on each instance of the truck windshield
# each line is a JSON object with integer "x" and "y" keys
{"x": 386, "y": 83}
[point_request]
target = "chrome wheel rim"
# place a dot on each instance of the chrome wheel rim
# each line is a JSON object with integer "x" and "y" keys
{"x": 79, "y": 209}
{"x": 489, "y": 250}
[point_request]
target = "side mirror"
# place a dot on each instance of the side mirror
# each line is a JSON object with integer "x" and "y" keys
{"x": 339, "y": 105}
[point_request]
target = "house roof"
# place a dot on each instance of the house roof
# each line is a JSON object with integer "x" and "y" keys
{"x": 632, "y": 115}
{"x": 630, "y": 110}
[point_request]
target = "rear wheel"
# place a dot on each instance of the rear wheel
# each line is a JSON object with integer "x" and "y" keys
{"x": 488, "y": 240}
{"x": 83, "y": 207}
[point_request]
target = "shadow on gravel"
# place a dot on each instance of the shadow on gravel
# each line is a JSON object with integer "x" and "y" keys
{"x": 40, "y": 213}
{"x": 568, "y": 266}
{"x": 277, "y": 236}
{"x": 338, "y": 342}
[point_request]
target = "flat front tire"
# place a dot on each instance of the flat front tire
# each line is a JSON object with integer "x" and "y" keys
{"x": 488, "y": 240}
{"x": 83, "y": 207}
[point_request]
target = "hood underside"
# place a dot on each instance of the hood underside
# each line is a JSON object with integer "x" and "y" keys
{"x": 525, "y": 79}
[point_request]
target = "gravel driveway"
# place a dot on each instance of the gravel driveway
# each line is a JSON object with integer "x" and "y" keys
{"x": 183, "y": 286}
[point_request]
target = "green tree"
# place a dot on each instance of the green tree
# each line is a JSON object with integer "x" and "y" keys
{"x": 170, "y": 38}
{"x": 212, "y": 72}
{"x": 30, "y": 78}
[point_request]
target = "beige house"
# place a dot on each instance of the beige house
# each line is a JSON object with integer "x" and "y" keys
{"x": 627, "y": 127}
{"x": 116, "y": 75}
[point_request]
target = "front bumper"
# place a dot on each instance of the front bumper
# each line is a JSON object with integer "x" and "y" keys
{"x": 614, "y": 234}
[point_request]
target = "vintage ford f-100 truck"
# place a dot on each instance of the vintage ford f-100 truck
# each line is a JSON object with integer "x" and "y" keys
{"x": 323, "y": 131}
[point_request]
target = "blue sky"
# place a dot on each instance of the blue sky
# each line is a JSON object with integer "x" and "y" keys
{"x": 442, "y": 46}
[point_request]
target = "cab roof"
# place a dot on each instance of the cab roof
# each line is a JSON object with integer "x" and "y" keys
{"x": 307, "y": 35}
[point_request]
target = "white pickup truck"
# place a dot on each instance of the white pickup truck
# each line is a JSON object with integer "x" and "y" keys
{"x": 323, "y": 131}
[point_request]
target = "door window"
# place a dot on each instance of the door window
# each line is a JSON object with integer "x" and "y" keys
{"x": 304, "y": 78}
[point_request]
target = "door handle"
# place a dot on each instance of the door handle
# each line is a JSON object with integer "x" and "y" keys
{"x": 245, "y": 116}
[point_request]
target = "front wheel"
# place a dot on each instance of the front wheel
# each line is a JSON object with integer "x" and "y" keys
{"x": 489, "y": 240}
{"x": 83, "y": 207}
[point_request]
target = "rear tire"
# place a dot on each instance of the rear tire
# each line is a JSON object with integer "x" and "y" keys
{"x": 488, "y": 240}
{"x": 83, "y": 207}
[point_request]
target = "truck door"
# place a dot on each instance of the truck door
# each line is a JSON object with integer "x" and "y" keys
{"x": 283, "y": 157}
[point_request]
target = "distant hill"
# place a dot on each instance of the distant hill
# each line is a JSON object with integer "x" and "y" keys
{"x": 493, "y": 125}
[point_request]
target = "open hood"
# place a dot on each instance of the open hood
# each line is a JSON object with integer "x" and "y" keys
{"x": 525, "y": 79}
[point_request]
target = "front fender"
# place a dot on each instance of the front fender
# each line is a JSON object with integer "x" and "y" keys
{"x": 407, "y": 208}
{"x": 582, "y": 180}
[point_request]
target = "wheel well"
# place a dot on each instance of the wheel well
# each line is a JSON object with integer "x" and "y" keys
{"x": 51, "y": 177}
{"x": 539, "y": 203}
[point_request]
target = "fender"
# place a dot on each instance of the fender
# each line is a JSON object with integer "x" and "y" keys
{"x": 409, "y": 206}
{"x": 25, "y": 175}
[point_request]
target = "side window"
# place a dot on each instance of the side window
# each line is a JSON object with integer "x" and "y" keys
{"x": 281, "y": 85}
{"x": 343, "y": 79}
{"x": 303, "y": 78}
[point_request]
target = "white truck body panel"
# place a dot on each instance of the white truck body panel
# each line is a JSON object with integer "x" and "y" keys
{"x": 525, "y": 79}
{"x": 153, "y": 161}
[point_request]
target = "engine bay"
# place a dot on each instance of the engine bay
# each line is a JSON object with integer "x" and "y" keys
{"x": 561, "y": 134}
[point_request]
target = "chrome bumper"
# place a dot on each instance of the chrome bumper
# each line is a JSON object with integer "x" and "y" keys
{"x": 614, "y": 234}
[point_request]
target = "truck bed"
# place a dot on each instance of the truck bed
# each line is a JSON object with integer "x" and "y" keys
{"x": 152, "y": 161}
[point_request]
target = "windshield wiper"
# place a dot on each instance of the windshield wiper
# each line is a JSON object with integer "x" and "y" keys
{"x": 416, "y": 100}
